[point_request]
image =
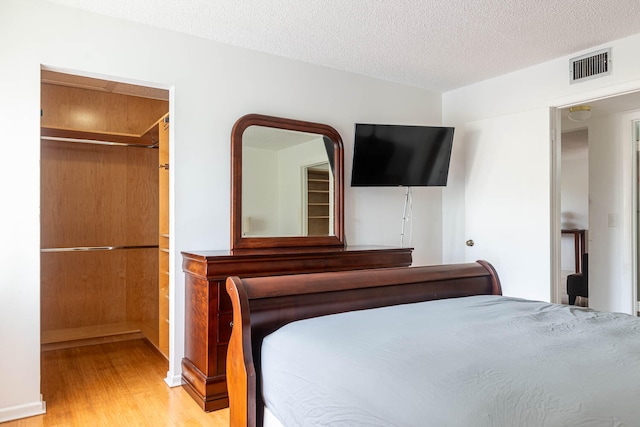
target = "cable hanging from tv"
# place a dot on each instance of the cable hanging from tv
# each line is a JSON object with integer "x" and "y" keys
{"x": 406, "y": 216}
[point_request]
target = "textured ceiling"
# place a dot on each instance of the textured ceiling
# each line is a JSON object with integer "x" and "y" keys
{"x": 433, "y": 44}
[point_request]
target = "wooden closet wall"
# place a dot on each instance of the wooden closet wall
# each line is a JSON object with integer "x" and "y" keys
{"x": 107, "y": 197}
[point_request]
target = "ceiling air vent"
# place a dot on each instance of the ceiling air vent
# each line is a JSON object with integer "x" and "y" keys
{"x": 591, "y": 65}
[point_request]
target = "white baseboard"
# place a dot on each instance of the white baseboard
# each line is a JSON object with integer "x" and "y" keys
{"x": 23, "y": 411}
{"x": 173, "y": 380}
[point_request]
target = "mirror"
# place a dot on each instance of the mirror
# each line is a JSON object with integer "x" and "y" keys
{"x": 286, "y": 184}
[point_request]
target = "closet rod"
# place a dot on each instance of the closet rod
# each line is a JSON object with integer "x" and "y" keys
{"x": 97, "y": 142}
{"x": 96, "y": 248}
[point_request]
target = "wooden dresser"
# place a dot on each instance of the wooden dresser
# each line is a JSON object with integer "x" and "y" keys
{"x": 208, "y": 307}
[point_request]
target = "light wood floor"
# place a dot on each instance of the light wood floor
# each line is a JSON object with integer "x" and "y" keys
{"x": 114, "y": 384}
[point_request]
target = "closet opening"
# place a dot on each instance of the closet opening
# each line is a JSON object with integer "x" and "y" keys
{"x": 104, "y": 212}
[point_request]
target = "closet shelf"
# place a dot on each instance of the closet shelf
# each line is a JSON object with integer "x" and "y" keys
{"x": 100, "y": 138}
{"x": 96, "y": 248}
{"x": 87, "y": 335}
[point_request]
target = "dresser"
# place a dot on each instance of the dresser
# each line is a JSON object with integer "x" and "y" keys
{"x": 208, "y": 307}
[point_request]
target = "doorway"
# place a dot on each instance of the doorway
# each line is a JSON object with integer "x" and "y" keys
{"x": 612, "y": 187}
{"x": 104, "y": 212}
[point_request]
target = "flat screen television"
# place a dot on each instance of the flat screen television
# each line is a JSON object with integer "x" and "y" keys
{"x": 399, "y": 155}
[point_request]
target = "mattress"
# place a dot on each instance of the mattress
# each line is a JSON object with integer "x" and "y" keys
{"x": 474, "y": 361}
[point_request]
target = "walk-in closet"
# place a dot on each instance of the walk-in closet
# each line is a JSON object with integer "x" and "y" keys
{"x": 104, "y": 212}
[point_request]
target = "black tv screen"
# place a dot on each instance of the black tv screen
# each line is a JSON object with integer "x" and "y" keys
{"x": 398, "y": 155}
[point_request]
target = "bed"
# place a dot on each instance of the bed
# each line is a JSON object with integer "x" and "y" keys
{"x": 435, "y": 345}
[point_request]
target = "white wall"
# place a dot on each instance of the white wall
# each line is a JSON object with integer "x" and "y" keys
{"x": 611, "y": 160}
{"x": 542, "y": 86}
{"x": 574, "y": 198}
{"x": 575, "y": 188}
{"x": 260, "y": 172}
{"x": 212, "y": 85}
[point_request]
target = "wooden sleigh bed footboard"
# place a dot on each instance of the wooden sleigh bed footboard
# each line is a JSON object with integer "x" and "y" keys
{"x": 262, "y": 305}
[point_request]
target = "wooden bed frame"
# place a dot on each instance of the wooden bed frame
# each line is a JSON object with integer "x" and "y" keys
{"x": 262, "y": 305}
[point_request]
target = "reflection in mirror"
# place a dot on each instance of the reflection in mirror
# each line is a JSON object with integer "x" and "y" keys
{"x": 287, "y": 183}
{"x": 319, "y": 204}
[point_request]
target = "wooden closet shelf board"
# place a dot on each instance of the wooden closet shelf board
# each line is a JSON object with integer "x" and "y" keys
{"x": 94, "y": 331}
{"x": 94, "y": 111}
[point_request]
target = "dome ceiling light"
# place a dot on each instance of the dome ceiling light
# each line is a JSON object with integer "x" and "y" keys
{"x": 579, "y": 113}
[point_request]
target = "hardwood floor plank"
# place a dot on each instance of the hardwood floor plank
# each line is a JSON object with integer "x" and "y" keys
{"x": 114, "y": 384}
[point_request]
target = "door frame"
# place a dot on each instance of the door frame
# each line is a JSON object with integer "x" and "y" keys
{"x": 632, "y": 174}
{"x": 174, "y": 373}
{"x": 555, "y": 120}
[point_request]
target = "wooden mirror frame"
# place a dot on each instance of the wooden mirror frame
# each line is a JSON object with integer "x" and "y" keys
{"x": 237, "y": 239}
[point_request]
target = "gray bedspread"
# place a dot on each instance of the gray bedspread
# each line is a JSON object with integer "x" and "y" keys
{"x": 474, "y": 361}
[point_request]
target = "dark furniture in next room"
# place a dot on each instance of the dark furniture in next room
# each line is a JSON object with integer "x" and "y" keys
{"x": 578, "y": 283}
